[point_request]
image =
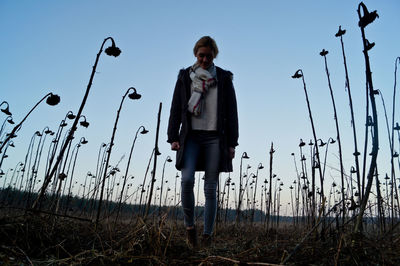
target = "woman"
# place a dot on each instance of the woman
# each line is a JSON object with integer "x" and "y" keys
{"x": 203, "y": 129}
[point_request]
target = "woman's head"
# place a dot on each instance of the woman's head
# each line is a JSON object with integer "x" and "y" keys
{"x": 205, "y": 50}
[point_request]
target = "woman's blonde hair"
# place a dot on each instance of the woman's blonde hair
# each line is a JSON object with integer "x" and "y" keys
{"x": 206, "y": 41}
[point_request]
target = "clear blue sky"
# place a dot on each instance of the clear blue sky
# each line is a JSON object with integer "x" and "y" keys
{"x": 50, "y": 46}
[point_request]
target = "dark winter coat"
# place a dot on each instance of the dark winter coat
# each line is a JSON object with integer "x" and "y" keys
{"x": 227, "y": 125}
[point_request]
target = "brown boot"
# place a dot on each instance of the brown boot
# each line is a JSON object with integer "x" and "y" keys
{"x": 191, "y": 235}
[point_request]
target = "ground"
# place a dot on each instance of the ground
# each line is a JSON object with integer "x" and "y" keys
{"x": 41, "y": 239}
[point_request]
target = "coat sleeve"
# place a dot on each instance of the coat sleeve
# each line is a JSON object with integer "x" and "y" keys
{"x": 175, "y": 115}
{"x": 232, "y": 115}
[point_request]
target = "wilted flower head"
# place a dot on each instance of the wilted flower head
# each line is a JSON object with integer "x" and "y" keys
{"x": 340, "y": 32}
{"x": 134, "y": 95}
{"x": 10, "y": 120}
{"x": 353, "y": 170}
{"x": 70, "y": 115}
{"x": 5, "y": 110}
{"x": 302, "y": 143}
{"x": 298, "y": 74}
{"x": 144, "y": 131}
{"x": 63, "y": 123}
{"x": 113, "y": 50}
{"x": 53, "y": 99}
{"x": 12, "y": 136}
{"x": 368, "y": 45}
{"x": 368, "y": 17}
{"x": 323, "y": 52}
{"x": 62, "y": 176}
{"x": 84, "y": 123}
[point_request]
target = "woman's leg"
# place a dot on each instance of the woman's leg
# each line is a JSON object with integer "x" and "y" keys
{"x": 211, "y": 152}
{"x": 190, "y": 156}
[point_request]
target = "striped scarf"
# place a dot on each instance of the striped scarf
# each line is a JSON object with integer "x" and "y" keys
{"x": 202, "y": 81}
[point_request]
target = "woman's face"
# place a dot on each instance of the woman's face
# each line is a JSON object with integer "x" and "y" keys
{"x": 205, "y": 57}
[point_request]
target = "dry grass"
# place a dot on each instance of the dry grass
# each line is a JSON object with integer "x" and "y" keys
{"x": 44, "y": 240}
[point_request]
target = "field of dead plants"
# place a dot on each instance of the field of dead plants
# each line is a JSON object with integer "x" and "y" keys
{"x": 48, "y": 218}
{"x": 33, "y": 239}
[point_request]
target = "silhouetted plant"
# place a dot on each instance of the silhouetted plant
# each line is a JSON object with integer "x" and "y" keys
{"x": 46, "y": 131}
{"x": 112, "y": 51}
{"x": 324, "y": 53}
{"x": 144, "y": 131}
{"x": 175, "y": 195}
{"x": 29, "y": 179}
{"x": 393, "y": 177}
{"x": 5, "y": 110}
{"x": 97, "y": 176}
{"x": 168, "y": 159}
{"x": 393, "y": 153}
{"x": 259, "y": 167}
{"x": 241, "y": 190}
{"x": 322, "y": 144}
{"x": 296, "y": 189}
{"x": 304, "y": 189}
{"x": 4, "y": 155}
{"x": 54, "y": 145}
{"x": 222, "y": 201}
{"x": 143, "y": 185}
{"x": 132, "y": 95}
{"x": 268, "y": 205}
{"x": 366, "y": 19}
{"x": 16, "y": 170}
{"x": 82, "y": 141}
{"x": 8, "y": 119}
{"x": 156, "y": 154}
{"x": 84, "y": 123}
{"x": 356, "y": 153}
{"x": 299, "y": 74}
{"x": 51, "y": 99}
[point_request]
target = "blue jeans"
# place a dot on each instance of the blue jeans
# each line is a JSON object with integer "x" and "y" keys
{"x": 207, "y": 144}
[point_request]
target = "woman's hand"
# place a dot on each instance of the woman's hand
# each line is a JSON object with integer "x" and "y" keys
{"x": 231, "y": 152}
{"x": 175, "y": 146}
